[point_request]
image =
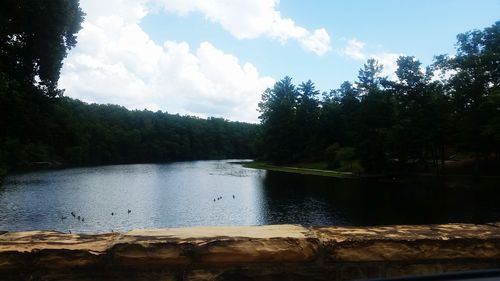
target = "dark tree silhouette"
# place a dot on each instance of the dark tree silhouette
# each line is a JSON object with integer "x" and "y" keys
{"x": 34, "y": 39}
{"x": 413, "y": 123}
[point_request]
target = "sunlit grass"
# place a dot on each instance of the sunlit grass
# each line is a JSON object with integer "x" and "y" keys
{"x": 300, "y": 170}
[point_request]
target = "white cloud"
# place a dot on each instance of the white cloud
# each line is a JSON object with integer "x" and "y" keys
{"x": 355, "y": 50}
{"x": 389, "y": 61}
{"x": 251, "y": 19}
{"x": 130, "y": 10}
{"x": 318, "y": 42}
{"x": 115, "y": 61}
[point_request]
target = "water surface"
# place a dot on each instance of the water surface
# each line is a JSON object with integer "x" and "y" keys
{"x": 183, "y": 194}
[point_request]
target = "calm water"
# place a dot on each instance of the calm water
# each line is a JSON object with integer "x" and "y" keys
{"x": 182, "y": 194}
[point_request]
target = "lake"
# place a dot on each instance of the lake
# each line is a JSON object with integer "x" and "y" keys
{"x": 201, "y": 193}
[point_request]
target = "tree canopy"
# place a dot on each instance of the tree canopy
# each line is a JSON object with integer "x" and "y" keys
{"x": 35, "y": 37}
{"x": 39, "y": 124}
{"x": 412, "y": 123}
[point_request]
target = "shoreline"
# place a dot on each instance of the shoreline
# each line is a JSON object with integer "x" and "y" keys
{"x": 351, "y": 175}
{"x": 302, "y": 171}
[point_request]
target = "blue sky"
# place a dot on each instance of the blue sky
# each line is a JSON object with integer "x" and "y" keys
{"x": 215, "y": 57}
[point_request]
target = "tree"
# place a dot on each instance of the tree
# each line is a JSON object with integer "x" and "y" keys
{"x": 339, "y": 111}
{"x": 278, "y": 109}
{"x": 421, "y": 121}
{"x": 375, "y": 118}
{"x": 405, "y": 125}
{"x": 307, "y": 103}
{"x": 410, "y": 135}
{"x": 34, "y": 39}
{"x": 349, "y": 100}
{"x": 307, "y": 119}
{"x": 369, "y": 78}
{"x": 474, "y": 79}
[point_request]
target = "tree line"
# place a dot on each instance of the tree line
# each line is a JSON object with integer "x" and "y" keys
{"x": 412, "y": 123}
{"x": 69, "y": 132}
{"x": 41, "y": 126}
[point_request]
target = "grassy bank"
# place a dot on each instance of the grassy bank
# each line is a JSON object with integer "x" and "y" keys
{"x": 299, "y": 170}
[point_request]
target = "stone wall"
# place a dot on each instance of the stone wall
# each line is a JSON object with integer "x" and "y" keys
{"x": 271, "y": 252}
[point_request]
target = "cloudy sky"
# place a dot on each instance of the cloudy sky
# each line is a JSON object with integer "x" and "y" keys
{"x": 216, "y": 57}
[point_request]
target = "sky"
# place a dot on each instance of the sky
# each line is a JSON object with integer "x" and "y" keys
{"x": 216, "y": 57}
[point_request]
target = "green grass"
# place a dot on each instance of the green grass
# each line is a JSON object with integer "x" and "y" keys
{"x": 313, "y": 165}
{"x": 300, "y": 170}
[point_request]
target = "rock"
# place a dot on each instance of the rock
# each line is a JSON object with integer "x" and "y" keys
{"x": 410, "y": 243}
{"x": 272, "y": 252}
{"x": 49, "y": 249}
{"x": 218, "y": 246}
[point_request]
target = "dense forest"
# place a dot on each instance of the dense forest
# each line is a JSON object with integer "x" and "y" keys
{"x": 39, "y": 126}
{"x": 64, "y": 131}
{"x": 413, "y": 123}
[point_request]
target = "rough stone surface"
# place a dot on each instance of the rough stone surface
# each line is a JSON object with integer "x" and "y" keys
{"x": 411, "y": 243}
{"x": 273, "y": 252}
{"x": 49, "y": 249}
{"x": 217, "y": 246}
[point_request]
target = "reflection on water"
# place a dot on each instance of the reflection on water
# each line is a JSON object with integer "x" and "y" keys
{"x": 182, "y": 194}
{"x": 314, "y": 200}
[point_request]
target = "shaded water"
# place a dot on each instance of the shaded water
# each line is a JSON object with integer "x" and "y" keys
{"x": 183, "y": 193}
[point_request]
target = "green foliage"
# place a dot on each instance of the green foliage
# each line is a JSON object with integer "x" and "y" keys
{"x": 343, "y": 159}
{"x": 369, "y": 78}
{"x": 76, "y": 133}
{"x": 39, "y": 125}
{"x": 34, "y": 39}
{"x": 331, "y": 155}
{"x": 314, "y": 148}
{"x": 345, "y": 156}
{"x": 375, "y": 125}
{"x": 491, "y": 129}
{"x": 411, "y": 124}
{"x": 473, "y": 84}
{"x": 278, "y": 110}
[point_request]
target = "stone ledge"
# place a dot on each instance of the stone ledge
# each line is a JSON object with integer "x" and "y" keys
{"x": 335, "y": 253}
{"x": 411, "y": 243}
{"x": 215, "y": 246}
